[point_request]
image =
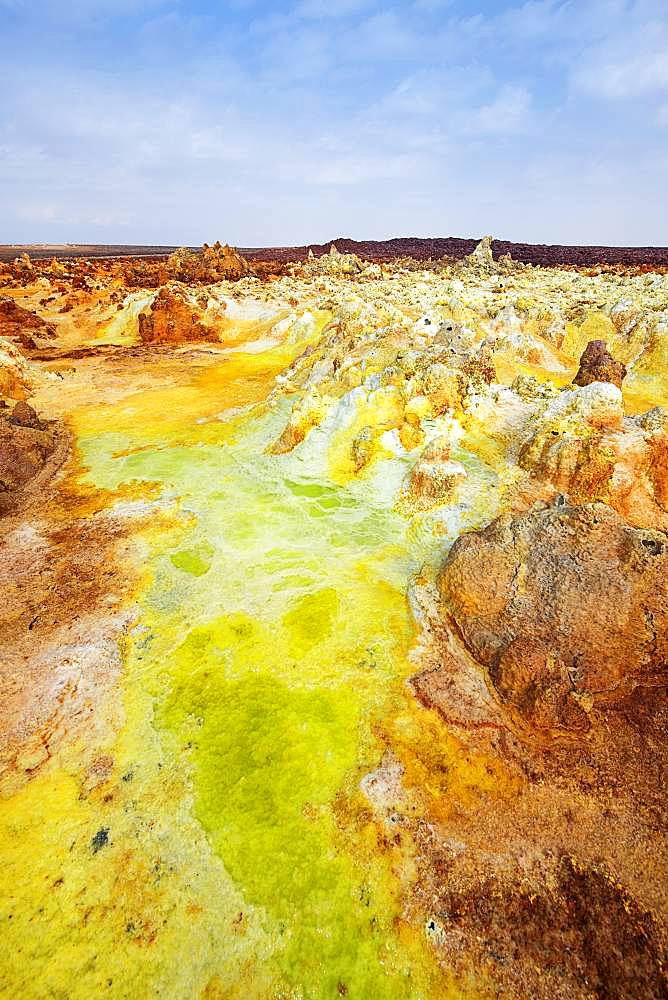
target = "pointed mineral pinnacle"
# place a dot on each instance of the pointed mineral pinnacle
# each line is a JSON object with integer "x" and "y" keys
{"x": 483, "y": 251}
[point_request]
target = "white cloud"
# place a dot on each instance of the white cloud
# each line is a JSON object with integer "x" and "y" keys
{"x": 464, "y": 101}
{"x": 506, "y": 114}
{"x": 217, "y": 144}
{"x": 632, "y": 65}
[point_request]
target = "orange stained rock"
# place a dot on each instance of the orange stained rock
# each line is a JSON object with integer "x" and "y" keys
{"x": 598, "y": 365}
{"x": 563, "y": 607}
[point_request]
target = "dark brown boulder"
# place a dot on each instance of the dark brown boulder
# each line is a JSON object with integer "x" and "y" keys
{"x": 598, "y": 365}
{"x": 23, "y": 415}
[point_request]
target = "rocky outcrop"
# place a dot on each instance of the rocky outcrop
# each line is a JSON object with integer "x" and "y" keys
{"x": 564, "y": 608}
{"x": 433, "y": 480}
{"x": 333, "y": 263}
{"x": 653, "y": 359}
{"x": 23, "y": 266}
{"x": 22, "y": 326}
{"x": 23, "y": 415}
{"x": 173, "y": 319}
{"x": 25, "y": 446}
{"x": 625, "y": 315}
{"x": 211, "y": 264}
{"x": 482, "y": 255}
{"x": 18, "y": 376}
{"x": 306, "y": 414}
{"x": 481, "y": 261}
{"x": 598, "y": 365}
{"x": 583, "y": 446}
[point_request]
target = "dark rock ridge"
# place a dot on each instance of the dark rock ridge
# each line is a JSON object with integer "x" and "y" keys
{"x": 420, "y": 248}
{"x": 423, "y": 248}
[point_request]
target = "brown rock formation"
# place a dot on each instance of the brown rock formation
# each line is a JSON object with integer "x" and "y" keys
{"x": 598, "y": 365}
{"x": 216, "y": 263}
{"x": 17, "y": 375}
{"x": 23, "y": 415}
{"x": 564, "y": 607}
{"x": 25, "y": 446}
{"x": 545, "y": 940}
{"x": 22, "y": 326}
{"x": 585, "y": 447}
{"x": 172, "y": 319}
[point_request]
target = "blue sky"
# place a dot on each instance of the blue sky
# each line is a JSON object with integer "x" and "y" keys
{"x": 299, "y": 120}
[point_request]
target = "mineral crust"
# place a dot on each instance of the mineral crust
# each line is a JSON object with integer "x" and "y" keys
{"x": 333, "y": 598}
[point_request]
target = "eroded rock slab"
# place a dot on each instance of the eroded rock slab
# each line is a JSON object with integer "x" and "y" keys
{"x": 563, "y": 608}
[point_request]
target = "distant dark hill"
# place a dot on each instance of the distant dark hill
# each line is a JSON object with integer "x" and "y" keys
{"x": 406, "y": 246}
{"x": 422, "y": 248}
